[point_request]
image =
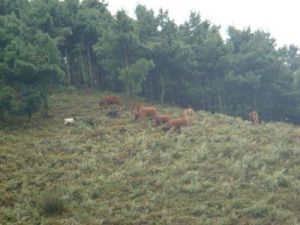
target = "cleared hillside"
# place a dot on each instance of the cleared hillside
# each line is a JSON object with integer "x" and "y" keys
{"x": 220, "y": 170}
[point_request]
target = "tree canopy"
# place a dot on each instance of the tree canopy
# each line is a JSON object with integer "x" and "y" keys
{"x": 80, "y": 43}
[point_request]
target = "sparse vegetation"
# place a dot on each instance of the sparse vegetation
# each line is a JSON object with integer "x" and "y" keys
{"x": 219, "y": 170}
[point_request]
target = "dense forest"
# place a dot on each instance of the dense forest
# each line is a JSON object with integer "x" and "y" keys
{"x": 50, "y": 43}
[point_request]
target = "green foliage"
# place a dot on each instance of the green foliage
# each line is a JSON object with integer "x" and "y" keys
{"x": 6, "y": 96}
{"x": 30, "y": 62}
{"x": 150, "y": 55}
{"x": 96, "y": 193}
{"x": 13, "y": 6}
{"x": 135, "y": 74}
{"x": 259, "y": 79}
{"x": 117, "y": 50}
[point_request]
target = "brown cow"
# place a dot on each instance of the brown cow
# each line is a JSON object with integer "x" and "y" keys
{"x": 161, "y": 119}
{"x": 134, "y": 107}
{"x": 189, "y": 112}
{"x": 175, "y": 124}
{"x": 141, "y": 112}
{"x": 110, "y": 100}
{"x": 253, "y": 117}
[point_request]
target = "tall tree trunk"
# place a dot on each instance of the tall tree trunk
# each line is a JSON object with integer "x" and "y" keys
{"x": 270, "y": 114}
{"x": 45, "y": 102}
{"x": 254, "y": 100}
{"x": 162, "y": 93}
{"x": 82, "y": 69}
{"x": 2, "y": 116}
{"x": 126, "y": 59}
{"x": 68, "y": 68}
{"x": 90, "y": 67}
{"x": 150, "y": 88}
{"x": 221, "y": 104}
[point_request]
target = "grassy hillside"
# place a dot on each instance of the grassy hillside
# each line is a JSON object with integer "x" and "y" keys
{"x": 220, "y": 170}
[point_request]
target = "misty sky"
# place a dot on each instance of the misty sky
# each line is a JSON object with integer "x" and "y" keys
{"x": 278, "y": 17}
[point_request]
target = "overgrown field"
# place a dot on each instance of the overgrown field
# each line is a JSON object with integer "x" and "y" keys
{"x": 220, "y": 170}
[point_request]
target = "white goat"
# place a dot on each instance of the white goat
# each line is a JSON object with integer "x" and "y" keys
{"x": 69, "y": 121}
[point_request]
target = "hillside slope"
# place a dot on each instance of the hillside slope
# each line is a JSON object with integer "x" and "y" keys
{"x": 220, "y": 170}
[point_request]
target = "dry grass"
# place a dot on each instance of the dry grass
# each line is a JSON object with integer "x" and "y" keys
{"x": 220, "y": 170}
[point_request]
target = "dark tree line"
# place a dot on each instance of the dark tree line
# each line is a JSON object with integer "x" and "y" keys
{"x": 44, "y": 43}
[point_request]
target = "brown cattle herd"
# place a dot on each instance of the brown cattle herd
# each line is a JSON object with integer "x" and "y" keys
{"x": 139, "y": 111}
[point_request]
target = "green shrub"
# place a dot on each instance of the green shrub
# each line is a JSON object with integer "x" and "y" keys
{"x": 52, "y": 205}
{"x": 96, "y": 193}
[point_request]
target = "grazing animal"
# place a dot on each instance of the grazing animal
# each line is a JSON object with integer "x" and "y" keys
{"x": 113, "y": 114}
{"x": 69, "y": 121}
{"x": 161, "y": 119}
{"x": 141, "y": 112}
{"x": 253, "y": 117}
{"x": 110, "y": 100}
{"x": 189, "y": 112}
{"x": 175, "y": 124}
{"x": 134, "y": 107}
